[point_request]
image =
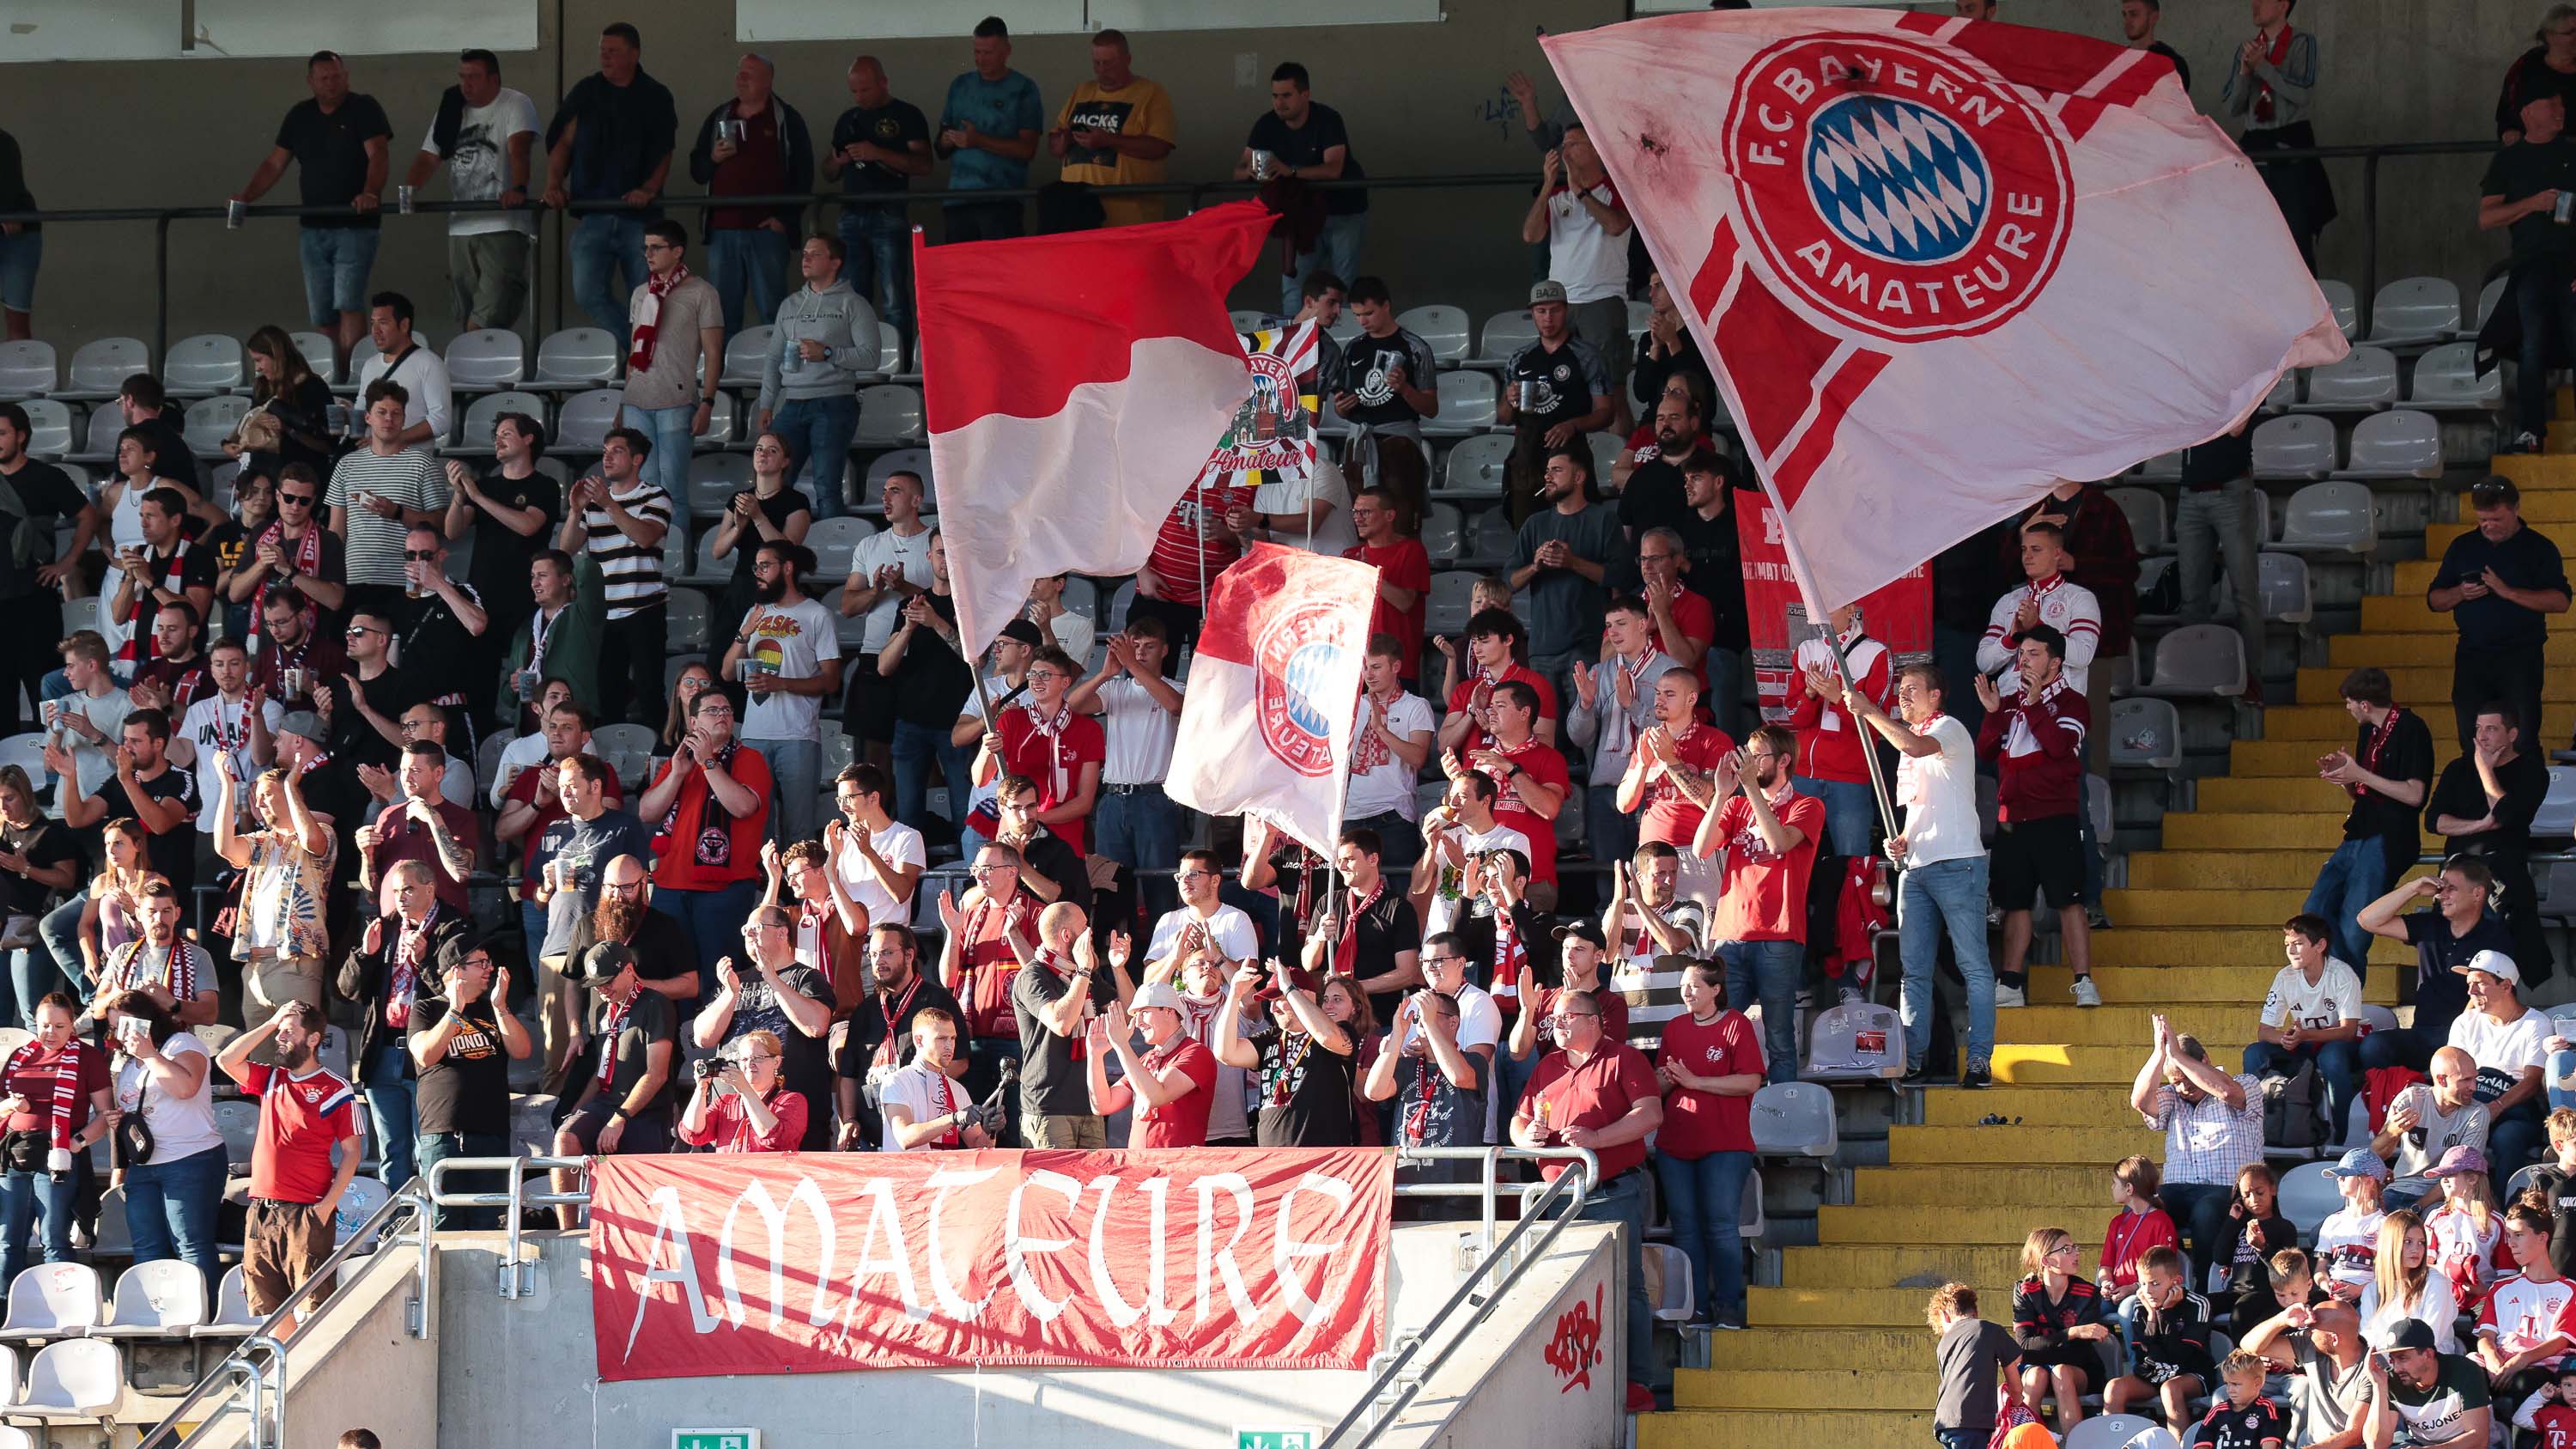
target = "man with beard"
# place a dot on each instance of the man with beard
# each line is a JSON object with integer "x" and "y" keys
{"x": 570, "y": 862}
{"x": 280, "y": 937}
{"x": 1767, "y": 832}
{"x": 393, "y": 967}
{"x": 463, "y": 1039}
{"x": 362, "y": 706}
{"x": 299, "y": 1166}
{"x": 297, "y": 655}
{"x": 1561, "y": 557}
{"x": 666, "y": 960}
{"x": 788, "y": 656}
{"x": 881, "y": 1039}
{"x": 1652, "y": 494}
{"x": 789, "y": 1001}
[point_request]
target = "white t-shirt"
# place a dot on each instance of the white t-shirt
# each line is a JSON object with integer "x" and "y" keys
{"x": 1230, "y": 926}
{"x": 1321, "y": 484}
{"x": 1073, "y": 634}
{"x": 791, "y": 641}
{"x": 2348, "y": 1243}
{"x": 478, "y": 166}
{"x": 2501, "y": 1048}
{"x": 897, "y": 845}
{"x": 2438, "y": 1309}
{"x": 924, "y": 1094}
{"x": 525, "y": 752}
{"x": 1939, "y": 793}
{"x": 1379, "y": 781}
{"x": 1591, "y": 262}
{"x": 1139, "y": 731}
{"x": 180, "y": 1128}
{"x": 875, "y": 552}
{"x": 217, "y": 726}
{"x": 424, "y": 376}
{"x": 1446, "y": 903}
{"x": 2333, "y": 999}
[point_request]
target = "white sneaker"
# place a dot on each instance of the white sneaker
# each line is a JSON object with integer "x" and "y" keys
{"x": 2086, "y": 993}
{"x": 2009, "y": 996}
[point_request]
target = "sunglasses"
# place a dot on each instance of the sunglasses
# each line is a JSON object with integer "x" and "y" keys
{"x": 420, "y": 555}
{"x": 295, "y": 500}
{"x": 356, "y": 630}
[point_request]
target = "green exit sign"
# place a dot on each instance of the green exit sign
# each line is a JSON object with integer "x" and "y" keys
{"x": 715, "y": 1439}
{"x": 1304, "y": 1438}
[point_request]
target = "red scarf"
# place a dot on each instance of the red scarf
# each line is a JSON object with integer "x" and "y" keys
{"x": 67, "y": 1091}
{"x": 304, "y": 553}
{"x": 2275, "y": 54}
{"x": 671, "y": 817}
{"x": 1346, "y": 951}
{"x": 2374, "y": 748}
{"x": 1059, "y": 779}
{"x": 1511, "y": 953}
{"x": 163, "y": 573}
{"x": 887, "y": 1049}
{"x": 178, "y": 969}
{"x": 1368, "y": 752}
{"x": 645, "y": 317}
{"x": 404, "y": 983}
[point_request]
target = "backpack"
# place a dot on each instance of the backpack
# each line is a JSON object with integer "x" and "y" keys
{"x": 2292, "y": 1116}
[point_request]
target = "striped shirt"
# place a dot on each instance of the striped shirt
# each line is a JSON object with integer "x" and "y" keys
{"x": 633, "y": 572}
{"x": 1654, "y": 997}
{"x": 411, "y": 478}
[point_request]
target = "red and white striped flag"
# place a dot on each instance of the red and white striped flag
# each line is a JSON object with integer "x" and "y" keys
{"x": 1267, "y": 720}
{"x": 1939, "y": 264}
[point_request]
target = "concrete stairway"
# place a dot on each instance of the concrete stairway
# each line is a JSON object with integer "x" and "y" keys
{"x": 1841, "y": 1341}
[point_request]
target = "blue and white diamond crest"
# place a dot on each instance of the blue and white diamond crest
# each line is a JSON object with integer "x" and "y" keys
{"x": 1896, "y": 179}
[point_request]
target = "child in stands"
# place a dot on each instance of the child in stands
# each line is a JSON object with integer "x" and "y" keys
{"x": 2293, "y": 1277}
{"x": 2468, "y": 1228}
{"x": 2550, "y": 1413}
{"x": 2348, "y": 1241}
{"x": 2168, "y": 1333}
{"x": 2240, "y": 1417}
{"x": 2260, "y": 1232}
{"x": 2529, "y": 1318}
{"x": 2057, "y": 1316}
{"x": 2138, "y": 1227}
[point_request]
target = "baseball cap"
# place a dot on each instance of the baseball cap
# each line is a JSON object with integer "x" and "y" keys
{"x": 1021, "y": 631}
{"x": 2411, "y": 1333}
{"x": 2461, "y": 1161}
{"x": 1154, "y": 994}
{"x": 601, "y": 963}
{"x": 2494, "y": 963}
{"x": 303, "y": 722}
{"x": 2360, "y": 1162}
{"x": 1583, "y": 931}
{"x": 1547, "y": 292}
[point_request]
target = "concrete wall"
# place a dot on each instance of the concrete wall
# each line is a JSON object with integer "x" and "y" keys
{"x": 361, "y": 1368}
{"x": 1419, "y": 98}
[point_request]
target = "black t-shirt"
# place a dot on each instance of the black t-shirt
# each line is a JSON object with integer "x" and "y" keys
{"x": 1306, "y": 1093}
{"x": 663, "y": 949}
{"x": 931, "y": 683}
{"x": 435, "y": 645}
{"x": 2247, "y": 1276}
{"x": 467, "y": 1090}
{"x": 229, "y": 542}
{"x": 39, "y": 494}
{"x": 353, "y": 741}
{"x": 196, "y": 571}
{"x": 499, "y": 571}
{"x": 1363, "y": 374}
{"x": 2526, "y": 560}
{"x": 1379, "y": 934}
{"x": 2441, "y": 992}
{"x": 870, "y": 1030}
{"x": 2527, "y": 168}
{"x": 2226, "y": 1426}
{"x": 2220, "y": 461}
{"x": 1716, "y": 554}
{"x": 331, "y": 154}
{"x": 1050, "y": 856}
{"x": 1560, "y": 381}
{"x": 894, "y": 126}
{"x": 649, "y": 1018}
{"x": 2182, "y": 68}
{"x": 51, "y": 844}
{"x": 2525, "y": 780}
{"x": 1306, "y": 145}
{"x": 1051, "y": 1070}
{"x": 174, "y": 851}
{"x": 2408, "y": 755}
{"x": 805, "y": 1062}
{"x": 622, "y": 133}
{"x": 2560, "y": 1188}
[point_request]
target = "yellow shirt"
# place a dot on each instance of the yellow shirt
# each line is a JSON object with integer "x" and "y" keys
{"x": 1138, "y": 108}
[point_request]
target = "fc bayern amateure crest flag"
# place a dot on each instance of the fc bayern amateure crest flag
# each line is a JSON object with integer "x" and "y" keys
{"x": 1272, "y": 437}
{"x": 1267, "y": 719}
{"x": 1940, "y": 264}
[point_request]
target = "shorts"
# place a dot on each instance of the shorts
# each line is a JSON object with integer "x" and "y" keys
{"x": 1063, "y": 1132}
{"x": 2037, "y": 855}
{"x": 19, "y": 257}
{"x": 282, "y": 1243}
{"x": 650, "y": 1133}
{"x": 336, "y": 262}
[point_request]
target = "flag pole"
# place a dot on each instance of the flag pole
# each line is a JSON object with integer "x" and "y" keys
{"x": 1820, "y": 619}
{"x": 974, "y": 663}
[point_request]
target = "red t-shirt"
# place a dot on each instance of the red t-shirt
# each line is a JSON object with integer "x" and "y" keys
{"x": 1465, "y": 695}
{"x": 1055, "y": 763}
{"x": 2127, "y": 1239}
{"x": 1181, "y": 1123}
{"x": 1698, "y": 620}
{"x": 523, "y": 789}
{"x": 1766, "y": 892}
{"x": 1698, "y": 1123}
{"x": 1596, "y": 1094}
{"x": 1667, "y": 814}
{"x": 701, "y": 848}
{"x": 990, "y": 963}
{"x": 35, "y": 1082}
{"x": 300, "y": 1119}
{"x": 1407, "y": 565}
{"x": 1614, "y": 1013}
{"x": 1543, "y": 764}
{"x": 1180, "y": 544}
{"x": 405, "y": 839}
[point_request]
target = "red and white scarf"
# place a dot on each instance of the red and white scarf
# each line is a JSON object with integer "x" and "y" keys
{"x": 304, "y": 554}
{"x": 178, "y": 969}
{"x": 2374, "y": 749}
{"x": 402, "y": 985}
{"x": 644, "y": 317}
{"x": 164, "y": 573}
{"x": 2276, "y": 54}
{"x": 1368, "y": 752}
{"x": 1051, "y": 731}
{"x": 67, "y": 1089}
{"x": 1511, "y": 953}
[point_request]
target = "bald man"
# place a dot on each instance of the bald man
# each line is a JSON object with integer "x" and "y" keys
{"x": 752, "y": 145}
{"x": 2428, "y": 1119}
{"x": 878, "y": 145}
{"x": 1052, "y": 997}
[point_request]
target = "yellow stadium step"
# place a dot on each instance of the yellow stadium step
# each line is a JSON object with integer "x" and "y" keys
{"x": 2541, "y": 472}
{"x": 2279, "y": 758}
{"x": 2413, "y": 576}
{"x": 2049, "y": 1020}
{"x": 1762, "y": 1349}
{"x": 2139, "y": 944}
{"x": 2102, "y": 1145}
{"x": 2428, "y": 688}
{"x": 1857, "y": 1227}
{"x": 2080, "y": 1106}
{"x": 1768, "y": 1429}
{"x": 2323, "y": 721}
{"x": 1851, "y": 1307}
{"x": 2425, "y": 651}
{"x": 2221, "y": 869}
{"x": 2271, "y": 795}
{"x": 2016, "y": 1186}
{"x": 2168, "y": 907}
{"x": 2407, "y": 613}
{"x": 1924, "y": 1265}
{"x": 2313, "y": 831}
{"x": 1810, "y": 1389}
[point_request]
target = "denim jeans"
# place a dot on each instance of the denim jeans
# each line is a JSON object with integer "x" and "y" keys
{"x": 1141, "y": 830}
{"x": 607, "y": 267}
{"x": 1705, "y": 1196}
{"x": 1767, "y": 972}
{"x": 391, "y": 1094}
{"x": 795, "y": 774}
{"x": 2338, "y": 1070}
{"x": 916, "y": 749}
{"x": 2222, "y": 520}
{"x": 170, "y": 1211}
{"x": 2558, "y": 1078}
{"x": 20, "y": 256}
{"x": 2548, "y": 309}
{"x": 1622, "y": 1200}
{"x": 2514, "y": 1141}
{"x": 56, "y": 968}
{"x": 1962, "y": 1438}
{"x": 1851, "y": 812}
{"x": 2354, "y": 876}
{"x": 336, "y": 260}
{"x": 1609, "y": 833}
{"x": 713, "y": 920}
{"x": 753, "y": 259}
{"x": 820, "y": 428}
{"x": 876, "y": 247}
{"x": 23, "y": 1197}
{"x": 1947, "y": 895}
{"x": 2199, "y": 1209}
{"x": 1336, "y": 250}
{"x": 431, "y": 1148}
{"x": 669, "y": 463}
{"x": 1725, "y": 671}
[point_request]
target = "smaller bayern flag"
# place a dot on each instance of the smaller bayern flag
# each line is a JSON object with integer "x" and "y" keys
{"x": 1266, "y": 729}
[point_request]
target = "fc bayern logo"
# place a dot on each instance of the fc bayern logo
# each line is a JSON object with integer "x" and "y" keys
{"x": 1299, "y": 660}
{"x": 1898, "y": 187}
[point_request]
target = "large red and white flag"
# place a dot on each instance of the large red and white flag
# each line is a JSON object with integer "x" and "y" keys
{"x": 1267, "y": 720}
{"x": 1940, "y": 264}
{"x": 1074, "y": 385}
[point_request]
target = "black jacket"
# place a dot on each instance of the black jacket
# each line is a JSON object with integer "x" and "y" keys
{"x": 362, "y": 979}
{"x": 792, "y": 140}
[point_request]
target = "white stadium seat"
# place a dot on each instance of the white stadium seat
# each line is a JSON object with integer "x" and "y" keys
{"x": 53, "y": 1300}
{"x": 474, "y": 429}
{"x": 1477, "y": 466}
{"x": 2197, "y": 660}
{"x": 714, "y": 478}
{"x": 2288, "y": 596}
{"x": 50, "y": 420}
{"x": 2308, "y": 1196}
{"x": 2556, "y": 817}
{"x": 575, "y": 358}
{"x": 687, "y": 629}
{"x": 889, "y": 348}
{"x": 1794, "y": 1119}
{"x": 210, "y": 420}
{"x": 28, "y": 368}
{"x": 2447, "y": 380}
{"x": 2488, "y": 297}
{"x": 723, "y": 423}
{"x": 98, "y": 435}
{"x": 746, "y": 354}
{"x": 2300, "y": 446}
{"x": 320, "y": 354}
{"x": 237, "y": 1119}
{"x": 2401, "y": 444}
{"x": 583, "y": 426}
{"x": 2120, "y": 1431}
{"x": 1669, "y": 1269}
{"x": 2365, "y": 379}
{"x": 1442, "y": 328}
{"x": 1115, "y": 621}
{"x": 158, "y": 1299}
{"x": 2146, "y": 734}
{"x": 2147, "y": 522}
{"x": 2344, "y": 304}
{"x": 204, "y": 365}
{"x": 2415, "y": 311}
{"x": 2335, "y": 516}
{"x": 1505, "y": 334}
{"x": 834, "y": 542}
{"x": 1444, "y": 533}
{"x": 77, "y": 1379}
{"x": 890, "y": 415}
{"x": 232, "y": 1317}
{"x": 487, "y": 359}
{"x": 1466, "y": 405}
{"x": 99, "y": 368}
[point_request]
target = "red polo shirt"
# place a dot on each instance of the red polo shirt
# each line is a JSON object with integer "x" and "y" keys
{"x": 1465, "y": 695}
{"x": 1407, "y": 565}
{"x": 1180, "y": 1123}
{"x": 1698, "y": 1123}
{"x": 1615, "y": 1078}
{"x": 1054, "y": 763}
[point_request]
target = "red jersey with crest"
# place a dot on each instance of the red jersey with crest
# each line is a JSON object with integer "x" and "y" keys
{"x": 1665, "y": 813}
{"x": 300, "y": 1118}
{"x": 1766, "y": 890}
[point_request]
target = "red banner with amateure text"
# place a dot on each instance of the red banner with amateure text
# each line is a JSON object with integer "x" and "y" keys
{"x": 1898, "y": 615}
{"x": 812, "y": 1263}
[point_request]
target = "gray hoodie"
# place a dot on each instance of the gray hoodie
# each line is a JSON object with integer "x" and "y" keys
{"x": 836, "y": 317}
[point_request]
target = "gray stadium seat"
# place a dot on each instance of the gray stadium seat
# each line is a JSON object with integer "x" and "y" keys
{"x": 2146, "y": 734}
{"x": 2345, "y": 306}
{"x": 2195, "y": 661}
{"x": 586, "y": 419}
{"x": 1476, "y": 467}
{"x": 834, "y": 541}
{"x": 2147, "y": 520}
{"x": 28, "y": 369}
{"x": 2308, "y": 1196}
{"x": 99, "y": 368}
{"x": 2364, "y": 380}
{"x": 2284, "y": 394}
{"x": 1466, "y": 405}
{"x": 321, "y": 356}
{"x": 2446, "y": 380}
{"x": 2162, "y": 468}
{"x": 2415, "y": 312}
{"x": 2288, "y": 595}
{"x": 161, "y": 1299}
{"x": 901, "y": 460}
{"x": 1442, "y": 328}
{"x": 487, "y": 359}
{"x": 1794, "y": 1119}
{"x": 2120, "y": 1431}
{"x": 2488, "y": 296}
{"x": 2401, "y": 444}
{"x": 98, "y": 436}
{"x": 2300, "y": 446}
{"x": 714, "y": 478}
{"x": 852, "y": 629}
{"x": 474, "y": 429}
{"x": 51, "y": 422}
{"x": 575, "y": 358}
{"x": 890, "y": 415}
{"x": 746, "y": 354}
{"x": 2335, "y": 516}
{"x": 1444, "y": 533}
{"x": 689, "y": 621}
{"x": 1506, "y": 333}
{"x": 889, "y": 348}
{"x": 1490, "y": 539}
{"x": 210, "y": 420}
{"x": 1250, "y": 321}
{"x": 724, "y": 424}
{"x": 2556, "y": 817}
{"x": 1450, "y": 594}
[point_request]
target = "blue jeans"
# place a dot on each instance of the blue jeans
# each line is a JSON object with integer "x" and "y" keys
{"x": 2354, "y": 876}
{"x": 391, "y": 1093}
{"x": 2199, "y": 1210}
{"x": 23, "y": 1196}
{"x": 431, "y": 1148}
{"x": 1139, "y": 829}
{"x": 1947, "y": 895}
{"x": 1336, "y": 250}
{"x": 1706, "y": 1199}
{"x": 795, "y": 774}
{"x": 1622, "y": 1200}
{"x": 820, "y": 428}
{"x": 1767, "y": 972}
{"x": 2514, "y": 1141}
{"x": 2558, "y": 1077}
{"x": 56, "y": 968}
{"x": 753, "y": 259}
{"x": 672, "y": 444}
{"x": 713, "y": 920}
{"x": 1609, "y": 833}
{"x": 1962, "y": 1438}
{"x": 876, "y": 247}
{"x": 336, "y": 262}
{"x": 1851, "y": 812}
{"x": 607, "y": 267}
{"x": 2338, "y": 1068}
{"x": 170, "y": 1211}
{"x": 916, "y": 749}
